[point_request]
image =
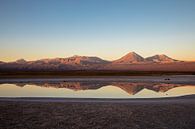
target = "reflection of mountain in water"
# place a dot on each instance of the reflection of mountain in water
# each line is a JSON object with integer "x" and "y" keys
{"x": 70, "y": 85}
{"x": 130, "y": 88}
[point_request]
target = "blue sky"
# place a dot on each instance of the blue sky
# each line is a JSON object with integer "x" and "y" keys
{"x": 34, "y": 29}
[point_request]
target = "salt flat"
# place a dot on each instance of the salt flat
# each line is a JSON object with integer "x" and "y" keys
{"x": 179, "y": 79}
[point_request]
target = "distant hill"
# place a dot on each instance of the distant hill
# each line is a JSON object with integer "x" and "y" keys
{"x": 129, "y": 58}
{"x": 160, "y": 59}
{"x": 21, "y": 61}
{"x": 74, "y": 60}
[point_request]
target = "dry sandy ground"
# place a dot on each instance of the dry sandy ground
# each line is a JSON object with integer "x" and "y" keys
{"x": 47, "y": 113}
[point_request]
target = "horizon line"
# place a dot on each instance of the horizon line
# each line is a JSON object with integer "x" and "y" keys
{"x": 44, "y": 58}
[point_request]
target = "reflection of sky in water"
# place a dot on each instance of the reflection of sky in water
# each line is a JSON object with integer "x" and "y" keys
{"x": 109, "y": 91}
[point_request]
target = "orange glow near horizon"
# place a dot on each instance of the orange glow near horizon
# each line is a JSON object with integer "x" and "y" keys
{"x": 36, "y": 56}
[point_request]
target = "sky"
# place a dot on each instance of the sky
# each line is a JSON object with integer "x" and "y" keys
{"x": 36, "y": 29}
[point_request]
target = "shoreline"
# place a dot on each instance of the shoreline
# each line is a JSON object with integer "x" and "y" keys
{"x": 175, "y": 79}
{"x": 99, "y": 113}
{"x": 176, "y": 99}
{"x": 88, "y": 73}
{"x": 173, "y": 113}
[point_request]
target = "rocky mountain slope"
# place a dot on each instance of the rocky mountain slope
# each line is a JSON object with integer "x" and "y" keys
{"x": 160, "y": 58}
{"x": 129, "y": 58}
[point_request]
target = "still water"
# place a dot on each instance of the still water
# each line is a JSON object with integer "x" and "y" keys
{"x": 95, "y": 89}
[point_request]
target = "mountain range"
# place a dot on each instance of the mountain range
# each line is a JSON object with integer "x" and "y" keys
{"x": 131, "y": 61}
{"x": 134, "y": 58}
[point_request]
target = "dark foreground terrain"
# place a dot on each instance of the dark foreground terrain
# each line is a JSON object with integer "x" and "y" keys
{"x": 31, "y": 113}
{"x": 87, "y": 73}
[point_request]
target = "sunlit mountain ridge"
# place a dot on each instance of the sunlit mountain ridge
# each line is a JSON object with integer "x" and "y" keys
{"x": 131, "y": 61}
